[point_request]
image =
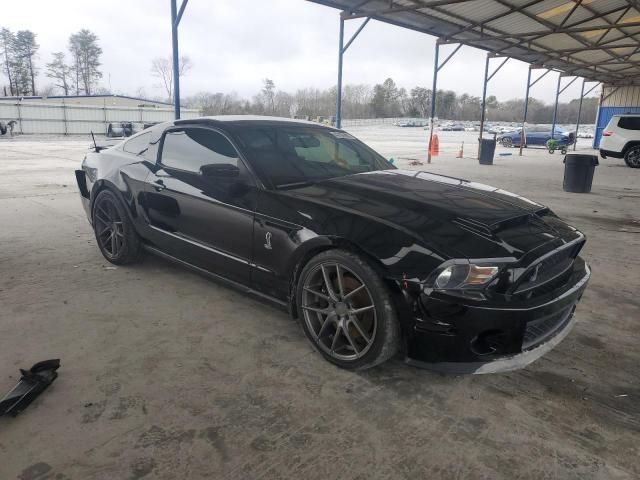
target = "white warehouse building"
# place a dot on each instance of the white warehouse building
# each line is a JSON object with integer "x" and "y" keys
{"x": 82, "y": 114}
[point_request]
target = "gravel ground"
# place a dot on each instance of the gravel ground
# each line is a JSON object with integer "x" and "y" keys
{"x": 168, "y": 375}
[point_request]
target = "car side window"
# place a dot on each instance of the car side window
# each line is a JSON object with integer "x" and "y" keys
{"x": 138, "y": 144}
{"x": 629, "y": 123}
{"x": 188, "y": 149}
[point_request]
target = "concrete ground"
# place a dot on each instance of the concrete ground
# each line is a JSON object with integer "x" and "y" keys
{"x": 168, "y": 375}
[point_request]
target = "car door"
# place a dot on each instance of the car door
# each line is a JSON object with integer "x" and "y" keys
{"x": 200, "y": 201}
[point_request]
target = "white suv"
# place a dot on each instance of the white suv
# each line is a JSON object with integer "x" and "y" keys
{"x": 621, "y": 138}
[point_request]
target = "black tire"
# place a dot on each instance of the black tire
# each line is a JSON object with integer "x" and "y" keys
{"x": 3, "y": 128}
{"x": 506, "y": 142}
{"x": 373, "y": 336}
{"x": 115, "y": 234}
{"x": 632, "y": 157}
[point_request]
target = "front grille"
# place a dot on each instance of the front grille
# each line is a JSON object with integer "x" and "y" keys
{"x": 551, "y": 285}
{"x": 549, "y": 273}
{"x": 544, "y": 328}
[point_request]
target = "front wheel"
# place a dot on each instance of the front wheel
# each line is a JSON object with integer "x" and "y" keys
{"x": 632, "y": 157}
{"x": 346, "y": 310}
{"x": 506, "y": 142}
{"x": 115, "y": 234}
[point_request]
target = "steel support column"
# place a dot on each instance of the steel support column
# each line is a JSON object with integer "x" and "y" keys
{"x": 523, "y": 133}
{"x": 582, "y": 95}
{"x": 341, "y": 49}
{"x": 176, "y": 16}
{"x": 555, "y": 105}
{"x": 483, "y": 104}
{"x": 339, "y": 87}
{"x": 436, "y": 68}
{"x": 433, "y": 98}
{"x": 579, "y": 112}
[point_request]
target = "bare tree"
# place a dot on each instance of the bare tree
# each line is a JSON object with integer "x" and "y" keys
{"x": 25, "y": 50}
{"x": 268, "y": 94}
{"x": 162, "y": 68}
{"x": 7, "y": 38}
{"x": 86, "y": 53}
{"x": 60, "y": 72}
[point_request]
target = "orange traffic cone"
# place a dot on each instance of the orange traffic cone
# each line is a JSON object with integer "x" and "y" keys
{"x": 434, "y": 146}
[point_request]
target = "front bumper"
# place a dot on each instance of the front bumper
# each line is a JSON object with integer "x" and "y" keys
{"x": 610, "y": 153}
{"x": 85, "y": 196}
{"x": 456, "y": 336}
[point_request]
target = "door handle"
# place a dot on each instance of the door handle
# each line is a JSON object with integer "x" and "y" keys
{"x": 159, "y": 185}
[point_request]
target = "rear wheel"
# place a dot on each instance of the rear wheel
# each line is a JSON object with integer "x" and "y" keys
{"x": 346, "y": 310}
{"x": 115, "y": 234}
{"x": 506, "y": 142}
{"x": 632, "y": 157}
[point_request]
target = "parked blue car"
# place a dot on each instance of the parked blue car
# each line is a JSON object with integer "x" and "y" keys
{"x": 537, "y": 136}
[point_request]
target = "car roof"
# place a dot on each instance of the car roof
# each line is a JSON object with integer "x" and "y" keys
{"x": 248, "y": 119}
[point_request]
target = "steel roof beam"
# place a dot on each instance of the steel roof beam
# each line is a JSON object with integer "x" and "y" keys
{"x": 609, "y": 94}
{"x": 589, "y": 19}
{"x": 462, "y": 19}
{"x": 523, "y": 46}
{"x": 597, "y": 16}
{"x": 551, "y": 31}
{"x": 551, "y": 25}
{"x": 392, "y": 9}
{"x": 541, "y": 21}
{"x": 495, "y": 17}
{"x": 611, "y": 28}
{"x": 548, "y": 53}
{"x": 573, "y": 9}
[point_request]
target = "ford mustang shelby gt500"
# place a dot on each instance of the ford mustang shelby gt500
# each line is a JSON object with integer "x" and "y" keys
{"x": 372, "y": 260}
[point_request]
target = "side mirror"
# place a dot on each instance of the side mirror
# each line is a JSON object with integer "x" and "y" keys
{"x": 226, "y": 170}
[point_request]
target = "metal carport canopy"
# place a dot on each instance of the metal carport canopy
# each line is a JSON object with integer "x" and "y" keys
{"x": 598, "y": 40}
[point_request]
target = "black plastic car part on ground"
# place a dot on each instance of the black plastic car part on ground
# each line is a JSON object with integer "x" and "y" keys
{"x": 372, "y": 260}
{"x": 31, "y": 384}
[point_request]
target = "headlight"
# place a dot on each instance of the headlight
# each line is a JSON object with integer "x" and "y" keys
{"x": 464, "y": 275}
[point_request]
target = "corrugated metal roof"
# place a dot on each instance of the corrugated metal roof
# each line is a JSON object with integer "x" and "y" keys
{"x": 595, "y": 39}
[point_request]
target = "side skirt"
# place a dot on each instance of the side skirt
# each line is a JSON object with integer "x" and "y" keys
{"x": 218, "y": 278}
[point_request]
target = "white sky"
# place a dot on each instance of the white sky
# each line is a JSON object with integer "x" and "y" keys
{"x": 234, "y": 44}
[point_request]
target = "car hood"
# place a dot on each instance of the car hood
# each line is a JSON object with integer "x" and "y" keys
{"x": 451, "y": 216}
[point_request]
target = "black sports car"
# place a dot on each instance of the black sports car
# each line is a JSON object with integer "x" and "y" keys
{"x": 372, "y": 260}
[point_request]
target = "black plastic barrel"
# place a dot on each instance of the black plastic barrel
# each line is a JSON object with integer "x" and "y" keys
{"x": 578, "y": 172}
{"x": 487, "y": 149}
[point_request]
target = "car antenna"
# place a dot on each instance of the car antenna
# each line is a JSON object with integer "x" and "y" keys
{"x": 95, "y": 145}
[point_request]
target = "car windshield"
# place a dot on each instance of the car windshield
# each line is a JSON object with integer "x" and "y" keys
{"x": 290, "y": 156}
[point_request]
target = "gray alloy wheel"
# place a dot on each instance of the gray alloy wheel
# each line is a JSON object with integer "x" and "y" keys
{"x": 506, "y": 142}
{"x": 632, "y": 157}
{"x": 346, "y": 310}
{"x": 114, "y": 232}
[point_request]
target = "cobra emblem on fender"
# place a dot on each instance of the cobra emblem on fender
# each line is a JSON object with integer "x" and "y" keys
{"x": 267, "y": 241}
